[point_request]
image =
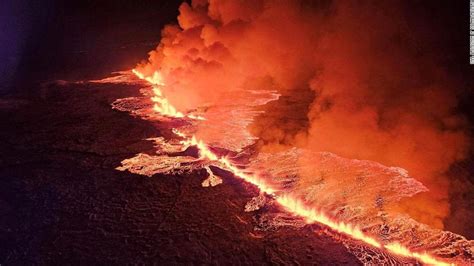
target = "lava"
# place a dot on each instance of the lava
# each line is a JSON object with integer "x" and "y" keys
{"x": 162, "y": 105}
{"x": 290, "y": 203}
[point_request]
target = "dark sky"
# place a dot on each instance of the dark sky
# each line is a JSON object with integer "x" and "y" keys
{"x": 52, "y": 39}
{"x": 40, "y": 40}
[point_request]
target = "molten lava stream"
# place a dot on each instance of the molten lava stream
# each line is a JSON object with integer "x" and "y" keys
{"x": 287, "y": 201}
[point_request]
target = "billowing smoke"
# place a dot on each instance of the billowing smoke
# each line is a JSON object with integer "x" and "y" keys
{"x": 354, "y": 79}
{"x": 382, "y": 98}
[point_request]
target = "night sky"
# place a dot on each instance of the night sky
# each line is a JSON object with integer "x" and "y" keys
{"x": 40, "y": 39}
{"x": 47, "y": 39}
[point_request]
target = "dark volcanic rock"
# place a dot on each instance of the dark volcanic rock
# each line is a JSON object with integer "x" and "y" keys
{"x": 62, "y": 201}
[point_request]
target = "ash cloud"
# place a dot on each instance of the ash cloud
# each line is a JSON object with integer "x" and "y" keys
{"x": 366, "y": 86}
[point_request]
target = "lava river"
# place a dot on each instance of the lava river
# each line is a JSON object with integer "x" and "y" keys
{"x": 340, "y": 195}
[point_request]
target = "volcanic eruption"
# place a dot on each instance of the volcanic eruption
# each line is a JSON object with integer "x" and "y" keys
{"x": 365, "y": 152}
{"x": 334, "y": 116}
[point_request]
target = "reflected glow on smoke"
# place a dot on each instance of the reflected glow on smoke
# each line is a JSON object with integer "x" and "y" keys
{"x": 291, "y": 204}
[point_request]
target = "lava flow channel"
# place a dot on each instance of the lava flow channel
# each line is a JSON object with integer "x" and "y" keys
{"x": 287, "y": 201}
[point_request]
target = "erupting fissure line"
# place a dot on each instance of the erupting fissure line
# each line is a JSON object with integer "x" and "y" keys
{"x": 162, "y": 105}
{"x": 287, "y": 201}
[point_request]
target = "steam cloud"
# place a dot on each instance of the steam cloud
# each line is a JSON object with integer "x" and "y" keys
{"x": 364, "y": 86}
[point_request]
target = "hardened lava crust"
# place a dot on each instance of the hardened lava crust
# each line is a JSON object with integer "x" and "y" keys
{"x": 62, "y": 200}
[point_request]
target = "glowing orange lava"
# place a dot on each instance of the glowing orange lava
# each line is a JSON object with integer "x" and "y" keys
{"x": 287, "y": 201}
{"x": 162, "y": 105}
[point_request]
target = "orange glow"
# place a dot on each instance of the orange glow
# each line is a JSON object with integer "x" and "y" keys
{"x": 206, "y": 153}
{"x": 162, "y": 105}
{"x": 289, "y": 202}
{"x": 156, "y": 79}
{"x": 397, "y": 248}
{"x": 311, "y": 216}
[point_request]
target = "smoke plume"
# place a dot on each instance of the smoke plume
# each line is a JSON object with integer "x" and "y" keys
{"x": 355, "y": 80}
